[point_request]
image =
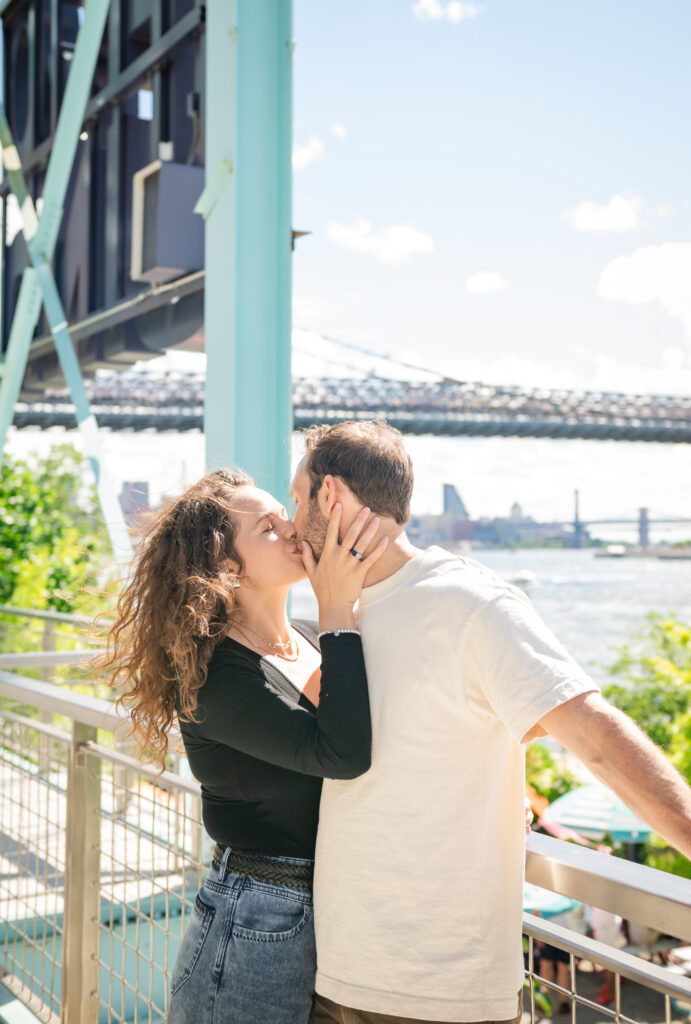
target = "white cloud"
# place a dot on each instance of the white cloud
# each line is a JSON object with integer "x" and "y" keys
{"x": 392, "y": 245}
{"x": 484, "y": 282}
{"x": 673, "y": 377}
{"x": 658, "y": 274}
{"x": 315, "y": 354}
{"x": 308, "y": 153}
{"x": 339, "y": 130}
{"x": 433, "y": 10}
{"x": 619, "y": 214}
{"x": 664, "y": 210}
{"x": 317, "y": 310}
{"x": 673, "y": 356}
{"x": 598, "y": 371}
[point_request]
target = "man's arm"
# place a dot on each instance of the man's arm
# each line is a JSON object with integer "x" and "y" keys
{"x": 615, "y": 750}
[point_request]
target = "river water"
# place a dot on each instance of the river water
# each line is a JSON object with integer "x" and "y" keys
{"x": 592, "y": 604}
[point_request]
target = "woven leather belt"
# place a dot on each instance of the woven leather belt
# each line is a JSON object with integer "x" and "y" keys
{"x": 264, "y": 869}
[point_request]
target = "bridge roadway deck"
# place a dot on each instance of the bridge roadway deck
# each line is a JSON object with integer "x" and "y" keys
{"x": 166, "y": 419}
{"x": 136, "y": 400}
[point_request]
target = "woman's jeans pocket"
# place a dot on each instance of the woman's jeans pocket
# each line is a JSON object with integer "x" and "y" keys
{"x": 192, "y": 943}
{"x": 247, "y": 955}
{"x": 270, "y": 914}
{"x": 270, "y": 962}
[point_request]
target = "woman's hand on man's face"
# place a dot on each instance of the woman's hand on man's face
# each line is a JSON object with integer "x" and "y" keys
{"x": 338, "y": 577}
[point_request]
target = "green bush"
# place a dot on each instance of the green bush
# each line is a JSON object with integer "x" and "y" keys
{"x": 655, "y": 690}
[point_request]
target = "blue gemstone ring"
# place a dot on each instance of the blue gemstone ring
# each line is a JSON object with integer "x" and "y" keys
{"x": 356, "y": 554}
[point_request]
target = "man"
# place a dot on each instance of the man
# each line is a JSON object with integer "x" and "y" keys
{"x": 419, "y": 870}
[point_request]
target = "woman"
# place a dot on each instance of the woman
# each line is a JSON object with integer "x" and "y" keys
{"x": 202, "y": 633}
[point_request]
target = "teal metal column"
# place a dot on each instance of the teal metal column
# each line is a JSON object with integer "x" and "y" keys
{"x": 247, "y": 208}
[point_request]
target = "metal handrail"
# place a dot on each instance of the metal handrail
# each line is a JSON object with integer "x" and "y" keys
{"x": 166, "y": 780}
{"x": 80, "y": 707}
{"x": 45, "y": 659}
{"x": 42, "y": 728}
{"x": 638, "y": 893}
{"x": 608, "y": 957}
{"x": 46, "y": 615}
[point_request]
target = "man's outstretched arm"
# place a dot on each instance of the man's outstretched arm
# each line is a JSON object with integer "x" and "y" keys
{"x": 612, "y": 746}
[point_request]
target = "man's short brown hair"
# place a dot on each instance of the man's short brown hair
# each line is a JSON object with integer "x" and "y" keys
{"x": 368, "y": 455}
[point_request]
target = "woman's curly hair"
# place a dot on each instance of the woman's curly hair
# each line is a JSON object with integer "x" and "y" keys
{"x": 174, "y": 610}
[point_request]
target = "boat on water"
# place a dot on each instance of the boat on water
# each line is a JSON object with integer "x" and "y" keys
{"x": 612, "y": 551}
{"x": 524, "y": 578}
{"x": 628, "y": 551}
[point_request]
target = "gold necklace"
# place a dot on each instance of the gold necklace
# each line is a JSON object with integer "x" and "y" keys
{"x": 280, "y": 650}
{"x": 284, "y": 645}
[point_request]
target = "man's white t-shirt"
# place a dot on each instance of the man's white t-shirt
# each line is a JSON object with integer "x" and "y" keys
{"x": 420, "y": 862}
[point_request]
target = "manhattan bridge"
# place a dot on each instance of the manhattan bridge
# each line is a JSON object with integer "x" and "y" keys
{"x": 174, "y": 401}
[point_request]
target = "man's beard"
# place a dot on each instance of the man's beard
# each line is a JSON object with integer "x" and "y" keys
{"x": 315, "y": 530}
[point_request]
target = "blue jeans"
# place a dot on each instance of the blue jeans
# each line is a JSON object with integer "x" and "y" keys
{"x": 247, "y": 954}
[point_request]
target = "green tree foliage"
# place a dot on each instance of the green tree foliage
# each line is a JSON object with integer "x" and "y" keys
{"x": 545, "y": 775}
{"x": 52, "y": 538}
{"x": 655, "y": 670}
{"x": 653, "y": 686}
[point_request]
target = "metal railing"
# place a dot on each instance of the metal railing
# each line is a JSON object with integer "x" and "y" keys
{"x": 631, "y": 891}
{"x": 45, "y": 640}
{"x": 100, "y": 860}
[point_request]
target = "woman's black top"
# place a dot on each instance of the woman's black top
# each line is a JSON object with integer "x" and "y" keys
{"x": 260, "y": 748}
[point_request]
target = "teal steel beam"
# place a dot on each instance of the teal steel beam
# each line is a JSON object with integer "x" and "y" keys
{"x": 247, "y": 209}
{"x": 38, "y": 283}
{"x": 77, "y": 90}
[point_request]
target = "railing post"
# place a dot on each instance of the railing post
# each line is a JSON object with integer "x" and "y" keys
{"x": 80, "y": 967}
{"x": 48, "y": 643}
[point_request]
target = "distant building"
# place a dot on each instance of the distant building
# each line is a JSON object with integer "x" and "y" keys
{"x": 455, "y": 529}
{"x": 453, "y": 502}
{"x": 133, "y": 497}
{"x": 447, "y": 530}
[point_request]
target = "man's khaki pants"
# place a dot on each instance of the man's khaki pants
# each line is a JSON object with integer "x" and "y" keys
{"x": 327, "y": 1012}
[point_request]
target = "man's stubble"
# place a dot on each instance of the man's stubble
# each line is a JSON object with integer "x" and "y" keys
{"x": 315, "y": 529}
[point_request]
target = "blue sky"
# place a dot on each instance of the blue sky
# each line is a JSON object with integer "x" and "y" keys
{"x": 497, "y": 189}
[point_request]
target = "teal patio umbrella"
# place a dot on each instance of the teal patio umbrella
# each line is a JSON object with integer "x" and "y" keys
{"x": 595, "y": 811}
{"x": 545, "y": 902}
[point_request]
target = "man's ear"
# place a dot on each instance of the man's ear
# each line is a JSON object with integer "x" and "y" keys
{"x": 329, "y": 494}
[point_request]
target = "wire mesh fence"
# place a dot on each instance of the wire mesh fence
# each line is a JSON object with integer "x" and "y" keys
{"x": 597, "y": 982}
{"x": 100, "y": 862}
{"x": 33, "y": 813}
{"x": 151, "y": 852}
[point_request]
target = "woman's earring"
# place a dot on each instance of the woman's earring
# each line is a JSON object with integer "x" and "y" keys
{"x": 234, "y": 582}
